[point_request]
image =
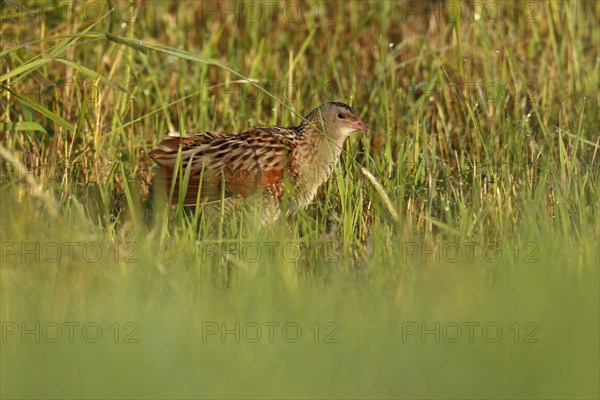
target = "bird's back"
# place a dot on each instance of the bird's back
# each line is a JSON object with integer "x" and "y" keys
{"x": 223, "y": 166}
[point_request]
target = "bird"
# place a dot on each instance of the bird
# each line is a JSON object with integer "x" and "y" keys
{"x": 226, "y": 169}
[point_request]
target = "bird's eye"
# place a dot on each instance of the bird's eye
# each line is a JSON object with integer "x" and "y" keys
{"x": 341, "y": 116}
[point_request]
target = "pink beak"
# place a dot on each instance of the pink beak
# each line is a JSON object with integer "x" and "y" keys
{"x": 359, "y": 125}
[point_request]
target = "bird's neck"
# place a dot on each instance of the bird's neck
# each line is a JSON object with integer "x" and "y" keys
{"x": 319, "y": 147}
{"x": 317, "y": 154}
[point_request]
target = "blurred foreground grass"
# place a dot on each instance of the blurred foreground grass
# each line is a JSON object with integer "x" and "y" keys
{"x": 485, "y": 134}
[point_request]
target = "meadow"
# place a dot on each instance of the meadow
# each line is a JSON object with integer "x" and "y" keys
{"x": 465, "y": 267}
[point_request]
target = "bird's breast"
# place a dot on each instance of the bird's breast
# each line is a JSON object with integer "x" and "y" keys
{"x": 312, "y": 167}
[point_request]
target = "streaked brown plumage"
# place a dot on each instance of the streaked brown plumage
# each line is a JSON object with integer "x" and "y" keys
{"x": 272, "y": 161}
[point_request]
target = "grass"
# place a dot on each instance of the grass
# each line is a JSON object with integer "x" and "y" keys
{"x": 484, "y": 135}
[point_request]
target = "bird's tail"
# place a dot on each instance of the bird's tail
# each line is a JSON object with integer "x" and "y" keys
{"x": 179, "y": 169}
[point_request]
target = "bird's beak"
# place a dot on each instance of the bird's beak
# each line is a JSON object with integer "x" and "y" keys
{"x": 358, "y": 125}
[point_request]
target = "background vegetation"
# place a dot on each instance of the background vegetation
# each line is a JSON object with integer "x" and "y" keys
{"x": 484, "y": 134}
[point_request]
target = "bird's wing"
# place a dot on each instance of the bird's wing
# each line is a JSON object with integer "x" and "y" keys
{"x": 223, "y": 164}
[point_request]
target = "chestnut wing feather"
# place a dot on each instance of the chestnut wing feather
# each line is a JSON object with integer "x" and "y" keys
{"x": 224, "y": 164}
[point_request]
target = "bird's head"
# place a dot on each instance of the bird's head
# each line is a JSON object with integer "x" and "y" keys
{"x": 337, "y": 120}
